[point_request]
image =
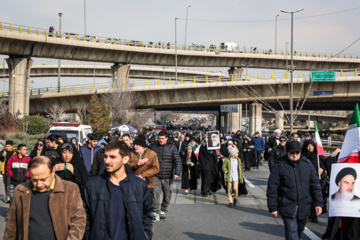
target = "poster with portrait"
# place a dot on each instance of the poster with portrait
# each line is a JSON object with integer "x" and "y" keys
{"x": 344, "y": 192}
{"x": 213, "y": 140}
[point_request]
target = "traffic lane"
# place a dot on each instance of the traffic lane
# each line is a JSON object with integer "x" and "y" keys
{"x": 259, "y": 179}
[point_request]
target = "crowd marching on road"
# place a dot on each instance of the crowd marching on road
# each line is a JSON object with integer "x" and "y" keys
{"x": 111, "y": 187}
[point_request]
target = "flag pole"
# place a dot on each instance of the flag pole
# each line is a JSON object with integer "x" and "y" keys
{"x": 318, "y": 162}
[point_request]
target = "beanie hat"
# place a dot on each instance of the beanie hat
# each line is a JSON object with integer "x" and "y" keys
{"x": 141, "y": 141}
{"x": 233, "y": 151}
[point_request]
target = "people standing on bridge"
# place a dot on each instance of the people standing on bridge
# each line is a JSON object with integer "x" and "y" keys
{"x": 233, "y": 169}
{"x": 292, "y": 187}
{"x": 277, "y": 152}
{"x": 117, "y": 203}
{"x": 88, "y": 151}
{"x": 144, "y": 162}
{"x": 17, "y": 168}
{"x": 309, "y": 151}
{"x": 5, "y": 155}
{"x": 39, "y": 149}
{"x": 170, "y": 168}
{"x": 46, "y": 207}
{"x": 259, "y": 147}
{"x": 189, "y": 173}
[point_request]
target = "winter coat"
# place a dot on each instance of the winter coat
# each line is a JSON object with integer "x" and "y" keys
{"x": 292, "y": 186}
{"x": 98, "y": 166}
{"x": 51, "y": 153}
{"x": 65, "y": 206}
{"x": 276, "y": 153}
{"x": 149, "y": 169}
{"x": 259, "y": 144}
{"x": 4, "y": 160}
{"x": 137, "y": 201}
{"x": 87, "y": 154}
{"x": 312, "y": 156}
{"x": 34, "y": 151}
{"x": 169, "y": 160}
{"x": 80, "y": 174}
{"x": 272, "y": 142}
{"x": 189, "y": 173}
{"x": 17, "y": 169}
{"x": 227, "y": 167}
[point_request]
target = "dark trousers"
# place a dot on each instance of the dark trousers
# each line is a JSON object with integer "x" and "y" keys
{"x": 258, "y": 157}
{"x": 6, "y": 181}
{"x": 162, "y": 186}
{"x": 293, "y": 228}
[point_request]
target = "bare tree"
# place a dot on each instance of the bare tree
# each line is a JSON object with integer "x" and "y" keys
{"x": 56, "y": 112}
{"x": 169, "y": 116}
{"x": 121, "y": 102}
{"x": 81, "y": 112}
{"x": 3, "y": 109}
{"x": 140, "y": 117}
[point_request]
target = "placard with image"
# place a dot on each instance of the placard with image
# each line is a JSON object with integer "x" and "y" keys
{"x": 213, "y": 140}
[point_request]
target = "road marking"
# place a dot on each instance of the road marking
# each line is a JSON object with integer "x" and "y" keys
{"x": 310, "y": 234}
{"x": 249, "y": 183}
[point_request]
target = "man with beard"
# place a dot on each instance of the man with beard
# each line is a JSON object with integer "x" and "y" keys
{"x": 345, "y": 180}
{"x": 275, "y": 141}
{"x": 117, "y": 203}
{"x": 210, "y": 178}
{"x": 215, "y": 140}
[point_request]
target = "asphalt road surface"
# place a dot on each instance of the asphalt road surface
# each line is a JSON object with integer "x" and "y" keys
{"x": 209, "y": 218}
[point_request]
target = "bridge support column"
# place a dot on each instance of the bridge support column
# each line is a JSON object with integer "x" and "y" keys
{"x": 236, "y": 120}
{"x": 238, "y": 72}
{"x": 19, "y": 85}
{"x": 120, "y": 74}
{"x": 255, "y": 120}
{"x": 279, "y": 120}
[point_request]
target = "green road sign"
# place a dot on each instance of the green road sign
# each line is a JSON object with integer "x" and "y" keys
{"x": 323, "y": 76}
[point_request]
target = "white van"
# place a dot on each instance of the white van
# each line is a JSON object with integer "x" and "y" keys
{"x": 72, "y": 130}
{"x": 229, "y": 46}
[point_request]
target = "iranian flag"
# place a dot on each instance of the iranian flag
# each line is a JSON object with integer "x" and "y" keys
{"x": 317, "y": 140}
{"x": 351, "y": 145}
{"x": 121, "y": 135}
{"x": 196, "y": 152}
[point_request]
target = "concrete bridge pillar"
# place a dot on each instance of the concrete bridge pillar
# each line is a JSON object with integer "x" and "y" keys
{"x": 279, "y": 120}
{"x": 19, "y": 85}
{"x": 120, "y": 74}
{"x": 255, "y": 120}
{"x": 236, "y": 120}
{"x": 238, "y": 72}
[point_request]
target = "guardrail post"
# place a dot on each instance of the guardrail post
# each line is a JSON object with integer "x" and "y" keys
{"x": 103, "y": 85}
{"x": 31, "y": 92}
{"x": 245, "y": 50}
{"x": 286, "y": 75}
{"x": 351, "y": 56}
{"x": 73, "y": 89}
{"x": 272, "y": 75}
{"x": 64, "y": 89}
{"x": 1, "y": 26}
{"x": 194, "y": 79}
{"x": 207, "y": 79}
{"x": 156, "y": 45}
{"x": 259, "y": 76}
{"x": 53, "y": 33}
{"x": 135, "y": 83}
{"x": 113, "y": 41}
{"x": 344, "y": 56}
{"x": 146, "y": 83}
{"x": 10, "y": 28}
{"x": 76, "y": 37}
{"x": 232, "y": 77}
{"x": 169, "y": 81}
{"x": 46, "y": 33}
{"x": 299, "y": 74}
{"x": 342, "y": 73}
{"x": 55, "y": 90}
{"x": 189, "y": 48}
{"x": 99, "y": 39}
{"x": 106, "y": 40}
{"x": 355, "y": 72}
{"x": 38, "y": 91}
{"x": 257, "y": 51}
{"x": 124, "y": 84}
{"x": 68, "y": 36}
{"x": 93, "y": 87}
{"x": 245, "y": 77}
{"x": 219, "y": 78}
{"x": 163, "y": 46}
{"x": 158, "y": 82}
{"x": 83, "y": 88}
{"x": 28, "y": 30}
{"x": 47, "y": 90}
{"x": 182, "y": 80}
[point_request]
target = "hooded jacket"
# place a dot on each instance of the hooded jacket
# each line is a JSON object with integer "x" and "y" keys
{"x": 64, "y": 137}
{"x": 312, "y": 156}
{"x": 88, "y": 154}
{"x": 17, "y": 169}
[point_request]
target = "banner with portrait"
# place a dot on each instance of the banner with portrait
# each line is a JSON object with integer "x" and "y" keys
{"x": 344, "y": 192}
{"x": 213, "y": 140}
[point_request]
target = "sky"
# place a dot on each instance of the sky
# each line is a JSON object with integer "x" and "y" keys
{"x": 323, "y": 26}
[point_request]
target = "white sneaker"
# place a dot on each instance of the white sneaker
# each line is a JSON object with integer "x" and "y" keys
{"x": 186, "y": 192}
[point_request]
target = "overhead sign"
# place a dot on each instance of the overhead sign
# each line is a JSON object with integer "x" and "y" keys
{"x": 323, "y": 93}
{"x": 323, "y": 76}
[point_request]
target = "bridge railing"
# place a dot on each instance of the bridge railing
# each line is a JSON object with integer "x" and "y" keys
{"x": 158, "y": 44}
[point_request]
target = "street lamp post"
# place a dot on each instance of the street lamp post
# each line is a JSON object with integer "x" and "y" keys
{"x": 175, "y": 53}
{"x": 187, "y": 10}
{"x": 60, "y": 15}
{"x": 276, "y": 32}
{"x": 292, "y": 69}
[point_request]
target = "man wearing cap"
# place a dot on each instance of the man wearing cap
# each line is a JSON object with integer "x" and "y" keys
{"x": 292, "y": 187}
{"x": 259, "y": 146}
{"x": 345, "y": 180}
{"x": 274, "y": 141}
{"x": 144, "y": 162}
{"x": 277, "y": 151}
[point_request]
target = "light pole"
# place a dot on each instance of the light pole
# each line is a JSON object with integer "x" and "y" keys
{"x": 187, "y": 10}
{"x": 292, "y": 69}
{"x": 60, "y": 15}
{"x": 85, "y": 17}
{"x": 276, "y": 32}
{"x": 175, "y": 53}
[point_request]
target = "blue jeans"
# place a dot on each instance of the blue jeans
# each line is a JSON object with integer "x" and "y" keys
{"x": 293, "y": 228}
{"x": 258, "y": 157}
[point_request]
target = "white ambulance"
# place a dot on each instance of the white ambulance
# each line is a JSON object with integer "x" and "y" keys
{"x": 72, "y": 130}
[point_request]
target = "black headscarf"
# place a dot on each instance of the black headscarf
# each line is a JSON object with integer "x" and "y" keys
{"x": 34, "y": 151}
{"x": 246, "y": 144}
{"x": 309, "y": 155}
{"x": 64, "y": 137}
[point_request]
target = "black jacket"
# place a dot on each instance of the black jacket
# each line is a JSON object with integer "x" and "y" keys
{"x": 276, "y": 153}
{"x": 183, "y": 149}
{"x": 8, "y": 156}
{"x": 292, "y": 187}
{"x": 34, "y": 151}
{"x": 169, "y": 160}
{"x": 137, "y": 202}
{"x": 98, "y": 166}
{"x": 272, "y": 142}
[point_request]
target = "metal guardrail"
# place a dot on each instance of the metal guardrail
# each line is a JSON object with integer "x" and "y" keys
{"x": 157, "y": 44}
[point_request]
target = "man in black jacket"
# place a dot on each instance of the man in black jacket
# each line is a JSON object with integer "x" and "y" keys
{"x": 277, "y": 151}
{"x": 170, "y": 167}
{"x": 292, "y": 186}
{"x": 117, "y": 203}
{"x": 5, "y": 155}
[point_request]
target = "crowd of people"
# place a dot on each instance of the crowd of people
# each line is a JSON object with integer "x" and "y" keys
{"x": 73, "y": 190}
